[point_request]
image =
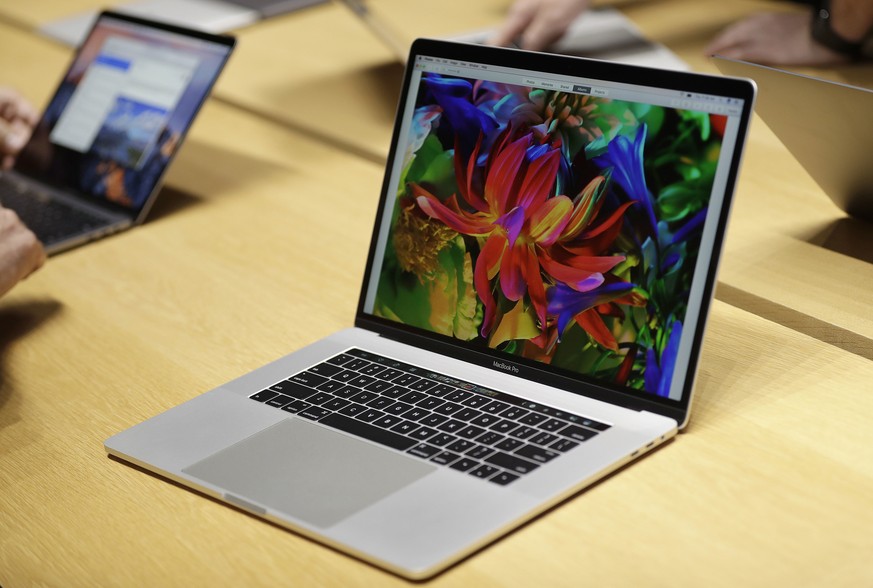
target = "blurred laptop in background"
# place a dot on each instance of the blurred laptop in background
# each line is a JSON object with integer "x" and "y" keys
{"x": 827, "y": 126}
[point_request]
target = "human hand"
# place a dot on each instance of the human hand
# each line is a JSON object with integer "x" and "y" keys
{"x": 774, "y": 38}
{"x": 17, "y": 119}
{"x": 536, "y": 24}
{"x": 21, "y": 253}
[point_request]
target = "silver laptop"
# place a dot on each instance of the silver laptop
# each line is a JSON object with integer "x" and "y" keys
{"x": 97, "y": 156}
{"x": 530, "y": 320}
{"x": 600, "y": 33}
{"x": 823, "y": 124}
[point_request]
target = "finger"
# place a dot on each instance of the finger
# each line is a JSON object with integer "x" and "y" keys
{"x": 13, "y": 136}
{"x": 517, "y": 20}
{"x": 542, "y": 32}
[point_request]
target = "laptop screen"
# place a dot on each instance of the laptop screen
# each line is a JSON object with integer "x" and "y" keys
{"x": 556, "y": 220}
{"x": 118, "y": 116}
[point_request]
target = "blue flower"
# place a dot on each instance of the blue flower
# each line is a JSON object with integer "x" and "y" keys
{"x": 567, "y": 302}
{"x": 626, "y": 159}
{"x": 659, "y": 374}
{"x": 463, "y": 119}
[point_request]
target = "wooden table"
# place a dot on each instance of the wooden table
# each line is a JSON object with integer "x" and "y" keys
{"x": 772, "y": 484}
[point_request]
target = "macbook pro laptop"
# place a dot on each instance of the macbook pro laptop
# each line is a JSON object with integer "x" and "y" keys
{"x": 530, "y": 319}
{"x": 825, "y": 125}
{"x": 95, "y": 161}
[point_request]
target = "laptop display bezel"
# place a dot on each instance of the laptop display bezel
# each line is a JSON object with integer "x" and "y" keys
{"x": 582, "y": 68}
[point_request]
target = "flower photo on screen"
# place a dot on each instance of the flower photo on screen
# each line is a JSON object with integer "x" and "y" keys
{"x": 558, "y": 227}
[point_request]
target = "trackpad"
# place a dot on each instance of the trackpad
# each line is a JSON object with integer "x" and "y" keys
{"x": 308, "y": 471}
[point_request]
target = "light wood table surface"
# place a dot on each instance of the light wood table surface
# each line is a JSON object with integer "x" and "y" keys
{"x": 255, "y": 249}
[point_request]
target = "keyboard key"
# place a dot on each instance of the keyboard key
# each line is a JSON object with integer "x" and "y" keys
{"x": 490, "y": 438}
{"x": 353, "y": 409}
{"x": 534, "y": 453}
{"x": 459, "y": 396}
{"x": 485, "y": 420}
{"x": 405, "y": 427}
{"x": 495, "y": 407}
{"x": 397, "y": 408}
{"x": 294, "y": 390}
{"x": 325, "y": 369}
{"x": 357, "y": 365}
{"x": 389, "y": 374}
{"x": 509, "y": 444}
{"x": 553, "y": 425}
{"x": 442, "y": 390}
{"x": 430, "y": 402}
{"x": 335, "y": 404}
{"x": 279, "y": 401}
{"x": 314, "y": 413}
{"x": 361, "y": 381}
{"x": 467, "y": 414}
{"x": 591, "y": 424}
{"x": 504, "y": 426}
{"x": 432, "y": 420}
{"x": 413, "y": 397}
{"x": 445, "y": 457}
{"x": 476, "y": 401}
{"x": 460, "y": 446}
{"x": 514, "y": 413}
{"x": 441, "y": 439}
{"x": 423, "y": 433}
{"x": 264, "y": 395}
{"x": 423, "y": 385}
{"x": 480, "y": 452}
{"x": 346, "y": 391}
{"x": 464, "y": 464}
{"x": 424, "y": 451}
{"x": 296, "y": 406}
{"x": 320, "y": 398}
{"x": 340, "y": 359}
{"x": 308, "y": 379}
{"x": 395, "y": 391}
{"x": 470, "y": 431}
{"x": 371, "y": 414}
{"x": 523, "y": 432}
{"x": 406, "y": 380}
{"x": 387, "y": 421}
{"x": 373, "y": 369}
{"x": 381, "y": 402}
{"x": 415, "y": 413}
{"x": 532, "y": 419}
{"x": 451, "y": 426}
{"x": 345, "y": 376}
{"x": 577, "y": 433}
{"x": 330, "y": 386}
{"x": 563, "y": 445}
{"x": 503, "y": 478}
{"x": 368, "y": 431}
{"x": 542, "y": 439}
{"x": 378, "y": 386}
{"x": 484, "y": 471}
{"x": 364, "y": 397}
{"x": 448, "y": 408}
{"x": 511, "y": 463}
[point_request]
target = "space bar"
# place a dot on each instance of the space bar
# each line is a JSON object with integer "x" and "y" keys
{"x": 362, "y": 429}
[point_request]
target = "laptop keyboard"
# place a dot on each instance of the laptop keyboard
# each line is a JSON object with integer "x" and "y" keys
{"x": 487, "y": 434}
{"x": 49, "y": 218}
